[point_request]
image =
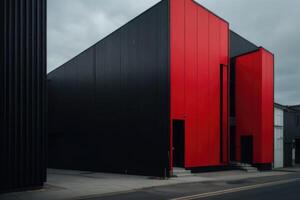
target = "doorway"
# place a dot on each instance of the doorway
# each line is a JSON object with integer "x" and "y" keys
{"x": 232, "y": 144}
{"x": 297, "y": 153}
{"x": 247, "y": 149}
{"x": 178, "y": 143}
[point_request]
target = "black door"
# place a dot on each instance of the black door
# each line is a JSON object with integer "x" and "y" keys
{"x": 232, "y": 144}
{"x": 288, "y": 154}
{"x": 178, "y": 143}
{"x": 247, "y": 149}
{"x": 297, "y": 146}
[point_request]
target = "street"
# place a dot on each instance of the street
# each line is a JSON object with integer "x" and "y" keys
{"x": 287, "y": 191}
{"x": 286, "y": 188}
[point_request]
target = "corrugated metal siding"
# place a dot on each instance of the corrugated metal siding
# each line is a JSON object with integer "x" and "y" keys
{"x": 109, "y": 106}
{"x": 23, "y": 72}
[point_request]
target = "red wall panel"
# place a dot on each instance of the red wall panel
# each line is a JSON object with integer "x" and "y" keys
{"x": 203, "y": 90}
{"x": 225, "y": 112}
{"x": 267, "y": 106}
{"x": 254, "y": 103}
{"x": 199, "y": 46}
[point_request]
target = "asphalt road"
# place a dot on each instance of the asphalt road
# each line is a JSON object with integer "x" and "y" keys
{"x": 287, "y": 191}
{"x": 274, "y": 188}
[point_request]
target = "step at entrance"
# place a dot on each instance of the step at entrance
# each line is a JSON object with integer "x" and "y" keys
{"x": 181, "y": 172}
{"x": 244, "y": 166}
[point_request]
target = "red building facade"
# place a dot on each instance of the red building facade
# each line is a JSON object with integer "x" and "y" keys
{"x": 254, "y": 107}
{"x": 199, "y": 82}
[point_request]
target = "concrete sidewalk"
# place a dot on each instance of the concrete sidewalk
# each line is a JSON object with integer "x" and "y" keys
{"x": 66, "y": 184}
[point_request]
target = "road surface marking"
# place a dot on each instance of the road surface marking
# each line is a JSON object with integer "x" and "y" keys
{"x": 233, "y": 190}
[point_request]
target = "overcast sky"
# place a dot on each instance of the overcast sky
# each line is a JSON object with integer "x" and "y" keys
{"x": 74, "y": 25}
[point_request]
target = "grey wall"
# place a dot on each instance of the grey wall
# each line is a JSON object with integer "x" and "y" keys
{"x": 23, "y": 79}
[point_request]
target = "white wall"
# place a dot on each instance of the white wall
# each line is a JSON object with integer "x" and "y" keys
{"x": 278, "y": 138}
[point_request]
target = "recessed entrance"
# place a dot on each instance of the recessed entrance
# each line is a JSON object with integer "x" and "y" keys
{"x": 247, "y": 149}
{"x": 232, "y": 144}
{"x": 178, "y": 143}
{"x": 297, "y": 146}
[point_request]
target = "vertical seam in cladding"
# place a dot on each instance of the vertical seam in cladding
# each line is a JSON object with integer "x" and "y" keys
{"x": 221, "y": 112}
{"x": 17, "y": 92}
{"x": 3, "y": 169}
{"x": 209, "y": 84}
{"x": 221, "y": 92}
{"x": 4, "y": 92}
{"x": 45, "y": 88}
{"x": 197, "y": 74}
{"x": 14, "y": 94}
{"x": 184, "y": 60}
{"x": 27, "y": 89}
{"x": 9, "y": 93}
{"x": 169, "y": 79}
{"x": 21, "y": 91}
{"x": 38, "y": 143}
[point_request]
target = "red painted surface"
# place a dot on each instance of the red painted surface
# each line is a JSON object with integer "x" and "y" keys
{"x": 199, "y": 46}
{"x": 225, "y": 112}
{"x": 254, "y": 103}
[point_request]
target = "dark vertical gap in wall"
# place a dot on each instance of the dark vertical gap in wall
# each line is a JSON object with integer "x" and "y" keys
{"x": 232, "y": 111}
{"x": 221, "y": 113}
{"x": 21, "y": 81}
{"x": 27, "y": 88}
{"x": 17, "y": 92}
{"x": 33, "y": 91}
{"x": 10, "y": 73}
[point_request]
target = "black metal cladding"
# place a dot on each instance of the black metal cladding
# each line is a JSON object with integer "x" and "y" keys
{"x": 291, "y": 132}
{"x": 23, "y": 78}
{"x": 239, "y": 45}
{"x": 109, "y": 106}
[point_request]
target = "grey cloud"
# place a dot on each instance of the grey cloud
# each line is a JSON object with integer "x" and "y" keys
{"x": 74, "y": 25}
{"x": 274, "y": 25}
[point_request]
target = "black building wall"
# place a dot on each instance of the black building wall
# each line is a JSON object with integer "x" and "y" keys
{"x": 109, "y": 106}
{"x": 240, "y": 45}
{"x": 22, "y": 94}
{"x": 291, "y": 132}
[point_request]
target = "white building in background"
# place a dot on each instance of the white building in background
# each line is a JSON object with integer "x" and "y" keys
{"x": 278, "y": 135}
